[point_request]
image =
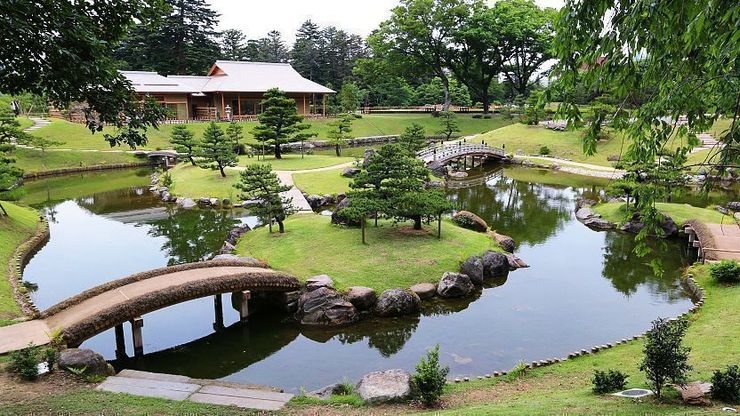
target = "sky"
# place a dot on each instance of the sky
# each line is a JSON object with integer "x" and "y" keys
{"x": 257, "y": 17}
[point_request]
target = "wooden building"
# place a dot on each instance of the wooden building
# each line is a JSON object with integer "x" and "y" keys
{"x": 230, "y": 90}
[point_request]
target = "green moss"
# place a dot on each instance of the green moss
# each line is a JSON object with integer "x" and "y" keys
{"x": 394, "y": 257}
{"x": 16, "y": 228}
{"x": 322, "y": 182}
{"x": 681, "y": 213}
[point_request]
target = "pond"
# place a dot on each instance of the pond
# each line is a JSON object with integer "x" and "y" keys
{"x": 583, "y": 288}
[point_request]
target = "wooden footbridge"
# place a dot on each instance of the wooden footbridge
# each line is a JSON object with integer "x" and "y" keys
{"x": 714, "y": 242}
{"x": 436, "y": 157}
{"x": 114, "y": 303}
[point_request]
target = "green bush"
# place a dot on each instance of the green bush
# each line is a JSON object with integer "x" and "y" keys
{"x": 51, "y": 356}
{"x": 25, "y": 362}
{"x": 726, "y": 271}
{"x": 726, "y": 385}
{"x": 544, "y": 150}
{"x": 477, "y": 115}
{"x": 429, "y": 379}
{"x": 607, "y": 382}
{"x": 487, "y": 116}
{"x": 666, "y": 359}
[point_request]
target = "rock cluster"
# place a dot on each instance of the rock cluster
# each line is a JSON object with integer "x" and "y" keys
{"x": 505, "y": 242}
{"x": 454, "y": 285}
{"x": 397, "y": 302}
{"x": 589, "y": 218}
{"x": 325, "y": 306}
{"x": 635, "y": 224}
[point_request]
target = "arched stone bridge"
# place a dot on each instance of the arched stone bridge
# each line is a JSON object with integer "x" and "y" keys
{"x": 111, "y": 304}
{"x": 436, "y": 157}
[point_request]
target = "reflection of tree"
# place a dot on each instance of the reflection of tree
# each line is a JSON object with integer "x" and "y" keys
{"x": 387, "y": 335}
{"x": 193, "y": 235}
{"x": 439, "y": 306}
{"x": 529, "y": 211}
{"x": 627, "y": 272}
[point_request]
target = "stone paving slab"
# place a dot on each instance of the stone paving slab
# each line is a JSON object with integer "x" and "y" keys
{"x": 246, "y": 393}
{"x": 151, "y": 383}
{"x": 145, "y": 391}
{"x": 244, "y": 402}
{"x": 154, "y": 376}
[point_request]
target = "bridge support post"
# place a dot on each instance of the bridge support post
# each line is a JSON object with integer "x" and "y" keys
{"x": 120, "y": 342}
{"x": 218, "y": 310}
{"x": 244, "y": 307}
{"x": 136, "y": 325}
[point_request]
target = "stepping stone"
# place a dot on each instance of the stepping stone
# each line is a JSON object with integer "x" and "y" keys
{"x": 244, "y": 402}
{"x": 246, "y": 393}
{"x": 148, "y": 388}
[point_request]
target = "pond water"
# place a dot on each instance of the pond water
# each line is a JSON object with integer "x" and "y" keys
{"x": 583, "y": 288}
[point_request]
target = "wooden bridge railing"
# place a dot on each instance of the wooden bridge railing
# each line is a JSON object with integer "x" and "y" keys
{"x": 451, "y": 151}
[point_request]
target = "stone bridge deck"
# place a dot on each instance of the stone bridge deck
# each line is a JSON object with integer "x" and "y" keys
{"x": 116, "y": 302}
{"x": 437, "y": 156}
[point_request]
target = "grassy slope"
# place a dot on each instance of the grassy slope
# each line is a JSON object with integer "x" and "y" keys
{"x": 566, "y": 387}
{"x": 391, "y": 259}
{"x": 292, "y": 161}
{"x": 195, "y": 182}
{"x": 322, "y": 183}
{"x": 14, "y": 229}
{"x": 680, "y": 213}
{"x": 34, "y": 161}
{"x": 76, "y": 136}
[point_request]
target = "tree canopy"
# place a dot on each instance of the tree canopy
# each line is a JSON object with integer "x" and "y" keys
{"x": 216, "y": 149}
{"x": 259, "y": 183}
{"x": 279, "y": 122}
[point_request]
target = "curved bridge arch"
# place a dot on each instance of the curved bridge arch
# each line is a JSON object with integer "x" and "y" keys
{"x": 438, "y": 156}
{"x": 103, "y": 307}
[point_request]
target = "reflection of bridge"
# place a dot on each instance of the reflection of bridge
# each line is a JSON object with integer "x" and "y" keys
{"x": 472, "y": 181}
{"x": 437, "y": 156}
{"x": 113, "y": 303}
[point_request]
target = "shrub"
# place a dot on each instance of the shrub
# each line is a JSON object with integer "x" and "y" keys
{"x": 25, "y": 362}
{"x": 544, "y": 150}
{"x": 167, "y": 180}
{"x": 607, "y": 382}
{"x": 477, "y": 115}
{"x": 51, "y": 356}
{"x": 726, "y": 385}
{"x": 487, "y": 116}
{"x": 726, "y": 271}
{"x": 429, "y": 379}
{"x": 666, "y": 359}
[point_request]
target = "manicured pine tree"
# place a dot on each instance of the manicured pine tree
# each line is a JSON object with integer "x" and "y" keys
{"x": 340, "y": 131}
{"x": 258, "y": 182}
{"x": 234, "y": 133}
{"x": 216, "y": 149}
{"x": 413, "y": 138}
{"x": 449, "y": 123}
{"x": 184, "y": 141}
{"x": 280, "y": 122}
{"x": 10, "y": 176}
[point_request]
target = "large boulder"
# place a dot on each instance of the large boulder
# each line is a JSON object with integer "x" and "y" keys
{"x": 473, "y": 267}
{"x": 338, "y": 218}
{"x": 733, "y": 206}
{"x": 635, "y": 224}
{"x": 454, "y": 285}
{"x": 316, "y": 282}
{"x": 385, "y": 386}
{"x": 467, "y": 219}
{"x": 515, "y": 262}
{"x": 77, "y": 359}
{"x": 314, "y": 201}
{"x": 325, "y": 306}
{"x": 495, "y": 264}
{"x": 366, "y": 157}
{"x": 350, "y": 172}
{"x": 598, "y": 223}
{"x": 397, "y": 302}
{"x": 424, "y": 290}
{"x": 584, "y": 213}
{"x": 186, "y": 203}
{"x": 363, "y": 298}
{"x": 694, "y": 393}
{"x": 505, "y": 242}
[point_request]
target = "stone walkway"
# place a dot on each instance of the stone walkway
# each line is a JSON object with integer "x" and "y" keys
{"x": 707, "y": 143}
{"x": 181, "y": 388}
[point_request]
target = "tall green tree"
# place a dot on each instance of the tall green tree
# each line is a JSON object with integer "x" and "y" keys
{"x": 216, "y": 149}
{"x": 233, "y": 45}
{"x": 340, "y": 130}
{"x": 666, "y": 359}
{"x": 270, "y": 48}
{"x": 258, "y": 182}
{"x": 63, "y": 51}
{"x": 279, "y": 122}
{"x": 235, "y": 134}
{"x": 449, "y": 124}
{"x": 11, "y": 177}
{"x": 420, "y": 32}
{"x": 184, "y": 141}
{"x": 306, "y": 57}
{"x": 413, "y": 138}
{"x": 350, "y": 97}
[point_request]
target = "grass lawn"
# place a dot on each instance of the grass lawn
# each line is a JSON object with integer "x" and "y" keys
{"x": 77, "y": 136}
{"x": 195, "y": 182}
{"x": 393, "y": 258}
{"x": 18, "y": 226}
{"x": 615, "y": 212}
{"x": 25, "y": 122}
{"x": 322, "y": 182}
{"x": 292, "y": 161}
{"x": 31, "y": 160}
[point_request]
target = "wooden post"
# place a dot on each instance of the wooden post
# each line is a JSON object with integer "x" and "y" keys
{"x": 218, "y": 310}
{"x": 324, "y": 103}
{"x": 239, "y": 103}
{"x": 136, "y": 325}
{"x": 304, "y": 105}
{"x": 362, "y": 225}
{"x": 120, "y": 342}
{"x": 223, "y": 105}
{"x": 439, "y": 226}
{"x": 244, "y": 307}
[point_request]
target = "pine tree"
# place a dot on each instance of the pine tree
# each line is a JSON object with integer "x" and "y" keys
{"x": 306, "y": 55}
{"x": 449, "y": 122}
{"x": 279, "y": 121}
{"x": 184, "y": 141}
{"x": 340, "y": 131}
{"x": 413, "y": 138}
{"x": 234, "y": 133}
{"x": 233, "y": 44}
{"x": 216, "y": 149}
{"x": 258, "y": 182}
{"x": 10, "y": 176}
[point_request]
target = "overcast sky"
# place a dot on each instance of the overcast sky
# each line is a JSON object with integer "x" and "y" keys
{"x": 257, "y": 17}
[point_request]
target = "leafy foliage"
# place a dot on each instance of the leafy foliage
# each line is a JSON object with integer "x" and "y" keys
{"x": 430, "y": 378}
{"x": 350, "y": 97}
{"x": 258, "y": 182}
{"x": 607, "y": 382}
{"x": 413, "y": 138}
{"x": 726, "y": 384}
{"x": 184, "y": 141}
{"x": 216, "y": 149}
{"x": 534, "y": 110}
{"x": 726, "y": 271}
{"x": 666, "y": 359}
{"x": 279, "y": 121}
{"x": 25, "y": 362}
